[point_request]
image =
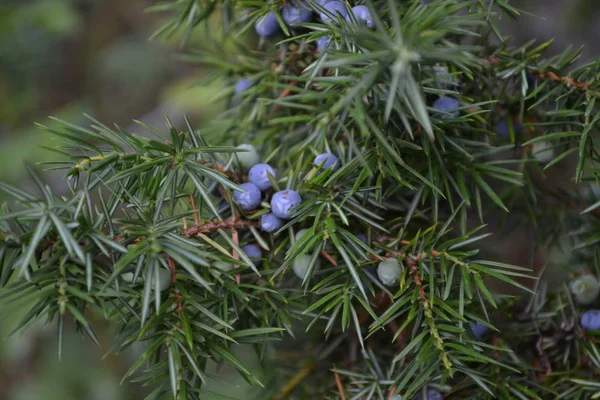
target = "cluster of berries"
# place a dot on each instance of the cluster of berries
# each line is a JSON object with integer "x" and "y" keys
{"x": 268, "y": 25}
{"x": 283, "y": 203}
{"x": 249, "y": 197}
{"x": 585, "y": 289}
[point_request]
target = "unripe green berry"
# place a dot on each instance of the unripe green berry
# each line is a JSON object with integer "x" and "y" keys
{"x": 301, "y": 265}
{"x": 248, "y": 156}
{"x": 128, "y": 277}
{"x": 299, "y": 234}
{"x": 585, "y": 289}
{"x": 388, "y": 271}
{"x": 220, "y": 267}
{"x": 164, "y": 280}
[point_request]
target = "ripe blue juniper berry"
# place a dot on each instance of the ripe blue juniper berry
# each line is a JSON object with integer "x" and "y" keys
{"x": 432, "y": 394}
{"x": 503, "y": 129}
{"x": 322, "y": 42}
{"x": 444, "y": 80}
{"x": 267, "y": 25}
{"x": 259, "y": 175}
{"x": 336, "y": 8}
{"x": 270, "y": 222}
{"x": 590, "y": 320}
{"x": 253, "y": 252}
{"x": 283, "y": 203}
{"x": 327, "y": 160}
{"x": 250, "y": 199}
{"x": 242, "y": 85}
{"x": 295, "y": 13}
{"x": 362, "y": 14}
{"x": 478, "y": 329}
{"x": 447, "y": 105}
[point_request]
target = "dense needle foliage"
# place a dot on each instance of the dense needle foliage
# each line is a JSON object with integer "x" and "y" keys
{"x": 435, "y": 121}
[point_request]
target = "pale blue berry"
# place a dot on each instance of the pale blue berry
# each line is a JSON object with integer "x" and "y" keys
{"x": 362, "y": 14}
{"x": 590, "y": 320}
{"x": 503, "y": 130}
{"x": 253, "y": 252}
{"x": 248, "y": 156}
{"x": 478, "y": 329}
{"x": 242, "y": 85}
{"x": 293, "y": 14}
{"x": 249, "y": 199}
{"x": 448, "y": 106}
{"x": 270, "y": 222}
{"x": 259, "y": 175}
{"x": 284, "y": 202}
{"x": 267, "y": 25}
{"x": 327, "y": 160}
{"x": 585, "y": 289}
{"x": 336, "y": 8}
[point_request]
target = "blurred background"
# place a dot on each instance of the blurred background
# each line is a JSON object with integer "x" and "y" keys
{"x": 63, "y": 58}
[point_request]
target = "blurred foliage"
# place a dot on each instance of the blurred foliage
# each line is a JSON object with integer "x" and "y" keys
{"x": 38, "y": 41}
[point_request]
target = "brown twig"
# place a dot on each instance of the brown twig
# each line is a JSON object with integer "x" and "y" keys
{"x": 286, "y": 92}
{"x": 222, "y": 170}
{"x": 229, "y": 223}
{"x": 328, "y": 257}
{"x": 391, "y": 392}
{"x": 340, "y": 386}
{"x": 173, "y": 269}
{"x": 236, "y": 256}
{"x": 548, "y": 75}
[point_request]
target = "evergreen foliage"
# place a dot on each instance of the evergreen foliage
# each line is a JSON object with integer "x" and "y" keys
{"x": 152, "y": 238}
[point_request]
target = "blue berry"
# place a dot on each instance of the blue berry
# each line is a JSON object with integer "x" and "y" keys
{"x": 294, "y": 14}
{"x": 270, "y": 222}
{"x": 336, "y": 8}
{"x": 267, "y": 25}
{"x": 322, "y": 42}
{"x": 585, "y": 289}
{"x": 253, "y": 252}
{"x": 502, "y": 128}
{"x": 362, "y": 14}
{"x": 327, "y": 160}
{"x": 446, "y": 105}
{"x": 249, "y": 200}
{"x": 434, "y": 395}
{"x": 214, "y": 188}
{"x": 362, "y": 237}
{"x": 443, "y": 79}
{"x": 242, "y": 85}
{"x": 590, "y": 320}
{"x": 284, "y": 202}
{"x": 372, "y": 272}
{"x": 259, "y": 175}
{"x": 478, "y": 329}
